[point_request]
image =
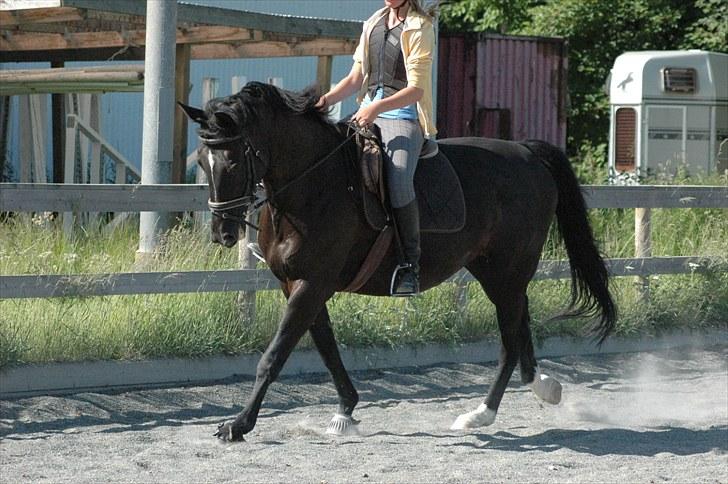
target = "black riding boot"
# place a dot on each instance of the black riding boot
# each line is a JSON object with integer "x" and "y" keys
{"x": 406, "y": 278}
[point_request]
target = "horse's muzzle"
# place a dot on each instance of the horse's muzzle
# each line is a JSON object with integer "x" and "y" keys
{"x": 225, "y": 233}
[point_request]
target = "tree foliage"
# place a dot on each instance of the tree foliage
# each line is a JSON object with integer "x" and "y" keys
{"x": 597, "y": 32}
{"x": 484, "y": 15}
{"x": 710, "y": 30}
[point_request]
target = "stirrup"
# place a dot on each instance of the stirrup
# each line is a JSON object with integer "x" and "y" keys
{"x": 396, "y": 272}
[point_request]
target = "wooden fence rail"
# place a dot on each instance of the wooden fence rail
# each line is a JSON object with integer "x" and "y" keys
{"x": 51, "y": 197}
{"x": 28, "y": 197}
{"x": 118, "y": 284}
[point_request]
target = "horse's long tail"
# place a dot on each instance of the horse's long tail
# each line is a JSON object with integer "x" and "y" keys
{"x": 589, "y": 276}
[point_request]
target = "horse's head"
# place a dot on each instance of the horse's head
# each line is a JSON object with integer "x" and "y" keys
{"x": 240, "y": 134}
{"x": 230, "y": 158}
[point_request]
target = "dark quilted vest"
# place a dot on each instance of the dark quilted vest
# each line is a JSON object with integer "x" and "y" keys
{"x": 386, "y": 61}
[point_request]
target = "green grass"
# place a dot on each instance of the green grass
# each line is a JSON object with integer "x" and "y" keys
{"x": 196, "y": 325}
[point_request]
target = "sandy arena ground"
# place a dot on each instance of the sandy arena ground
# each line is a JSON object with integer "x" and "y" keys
{"x": 645, "y": 417}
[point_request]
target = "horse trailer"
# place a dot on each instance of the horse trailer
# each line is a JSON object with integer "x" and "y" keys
{"x": 668, "y": 111}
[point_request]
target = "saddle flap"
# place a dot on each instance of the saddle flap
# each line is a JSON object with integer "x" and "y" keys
{"x": 439, "y": 197}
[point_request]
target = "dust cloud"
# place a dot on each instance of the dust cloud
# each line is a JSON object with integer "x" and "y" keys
{"x": 679, "y": 388}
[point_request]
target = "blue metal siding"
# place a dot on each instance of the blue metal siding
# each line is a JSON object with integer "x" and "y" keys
{"x": 122, "y": 112}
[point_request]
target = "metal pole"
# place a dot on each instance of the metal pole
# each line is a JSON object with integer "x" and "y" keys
{"x": 159, "y": 62}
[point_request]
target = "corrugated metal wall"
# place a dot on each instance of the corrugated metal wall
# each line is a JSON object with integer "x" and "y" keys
{"x": 502, "y": 87}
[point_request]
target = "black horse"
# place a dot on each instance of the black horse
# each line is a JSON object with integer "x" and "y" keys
{"x": 315, "y": 237}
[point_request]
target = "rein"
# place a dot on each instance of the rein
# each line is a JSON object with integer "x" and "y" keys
{"x": 222, "y": 209}
{"x": 304, "y": 173}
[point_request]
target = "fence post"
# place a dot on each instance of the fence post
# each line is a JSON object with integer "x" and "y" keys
{"x": 323, "y": 72}
{"x": 96, "y": 174}
{"x": 38, "y": 117}
{"x": 643, "y": 247}
{"x": 26, "y": 139}
{"x": 461, "y": 294}
{"x": 246, "y": 299}
{"x": 209, "y": 91}
{"x": 69, "y": 172}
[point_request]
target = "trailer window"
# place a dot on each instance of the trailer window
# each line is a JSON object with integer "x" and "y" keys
{"x": 624, "y": 139}
{"x": 679, "y": 79}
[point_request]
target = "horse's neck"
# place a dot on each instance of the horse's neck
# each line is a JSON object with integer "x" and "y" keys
{"x": 299, "y": 148}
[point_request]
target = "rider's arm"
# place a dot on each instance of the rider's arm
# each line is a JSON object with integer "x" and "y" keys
{"x": 345, "y": 88}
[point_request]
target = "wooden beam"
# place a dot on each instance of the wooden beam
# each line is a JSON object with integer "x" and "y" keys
{"x": 20, "y": 197}
{"x": 63, "y": 197}
{"x": 90, "y": 79}
{"x": 80, "y": 40}
{"x": 182, "y": 91}
{"x": 655, "y": 196}
{"x": 114, "y": 284}
{"x": 318, "y": 47}
{"x": 285, "y": 24}
{"x": 13, "y": 18}
{"x": 118, "y": 73}
{"x": 16, "y": 41}
{"x": 131, "y": 53}
{"x": 135, "y": 283}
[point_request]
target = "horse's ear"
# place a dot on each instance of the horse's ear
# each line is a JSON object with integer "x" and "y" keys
{"x": 224, "y": 120}
{"x": 196, "y": 115}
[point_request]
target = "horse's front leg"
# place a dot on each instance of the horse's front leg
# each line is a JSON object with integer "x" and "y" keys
{"x": 304, "y": 304}
{"x": 323, "y": 338}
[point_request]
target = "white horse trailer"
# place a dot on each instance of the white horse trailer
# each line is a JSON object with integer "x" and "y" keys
{"x": 669, "y": 110}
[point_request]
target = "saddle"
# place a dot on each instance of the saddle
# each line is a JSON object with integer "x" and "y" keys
{"x": 439, "y": 193}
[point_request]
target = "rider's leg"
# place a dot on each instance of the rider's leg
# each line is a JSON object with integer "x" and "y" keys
{"x": 403, "y": 139}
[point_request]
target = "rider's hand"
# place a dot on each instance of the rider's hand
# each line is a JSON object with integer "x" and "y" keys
{"x": 365, "y": 116}
{"x": 322, "y": 104}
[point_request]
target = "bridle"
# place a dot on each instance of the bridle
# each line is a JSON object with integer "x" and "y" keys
{"x": 224, "y": 209}
{"x": 251, "y": 155}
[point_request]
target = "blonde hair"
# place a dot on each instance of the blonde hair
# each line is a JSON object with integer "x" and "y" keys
{"x": 430, "y": 11}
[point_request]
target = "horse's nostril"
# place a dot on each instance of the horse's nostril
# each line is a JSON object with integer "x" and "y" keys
{"x": 229, "y": 239}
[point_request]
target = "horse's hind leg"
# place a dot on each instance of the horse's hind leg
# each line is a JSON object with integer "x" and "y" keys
{"x": 505, "y": 282}
{"x": 545, "y": 387}
{"x": 509, "y": 317}
{"x": 323, "y": 338}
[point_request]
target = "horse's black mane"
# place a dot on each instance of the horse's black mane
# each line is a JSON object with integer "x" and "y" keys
{"x": 227, "y": 115}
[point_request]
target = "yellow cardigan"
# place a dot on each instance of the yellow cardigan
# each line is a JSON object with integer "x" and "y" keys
{"x": 418, "y": 43}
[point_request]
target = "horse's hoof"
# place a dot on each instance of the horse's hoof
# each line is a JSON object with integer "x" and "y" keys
{"x": 481, "y": 417}
{"x": 342, "y": 425}
{"x": 546, "y": 388}
{"x": 225, "y": 433}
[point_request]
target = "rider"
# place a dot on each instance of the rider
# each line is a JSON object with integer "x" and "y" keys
{"x": 392, "y": 72}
